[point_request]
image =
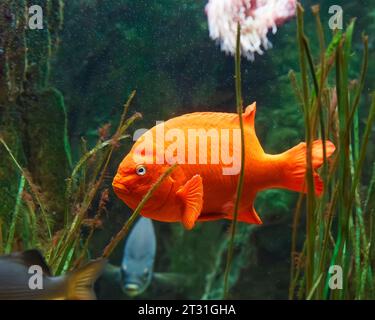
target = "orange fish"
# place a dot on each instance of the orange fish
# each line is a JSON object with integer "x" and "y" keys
{"x": 205, "y": 190}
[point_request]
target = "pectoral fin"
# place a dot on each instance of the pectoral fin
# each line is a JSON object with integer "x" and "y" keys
{"x": 191, "y": 195}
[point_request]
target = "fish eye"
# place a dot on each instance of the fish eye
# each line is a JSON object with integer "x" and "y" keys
{"x": 140, "y": 170}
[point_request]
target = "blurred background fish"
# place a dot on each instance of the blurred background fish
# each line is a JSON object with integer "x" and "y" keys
{"x": 136, "y": 272}
{"x": 139, "y": 257}
{"x": 16, "y": 279}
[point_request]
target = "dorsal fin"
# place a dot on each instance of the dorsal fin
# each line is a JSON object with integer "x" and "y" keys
{"x": 31, "y": 258}
{"x": 249, "y": 114}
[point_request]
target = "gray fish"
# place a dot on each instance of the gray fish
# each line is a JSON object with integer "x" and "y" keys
{"x": 136, "y": 273}
{"x": 19, "y": 272}
{"x": 138, "y": 259}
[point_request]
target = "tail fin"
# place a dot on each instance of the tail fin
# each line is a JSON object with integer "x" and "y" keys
{"x": 296, "y": 165}
{"x": 81, "y": 281}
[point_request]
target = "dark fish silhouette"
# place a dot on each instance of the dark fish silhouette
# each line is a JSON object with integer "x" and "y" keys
{"x": 18, "y": 273}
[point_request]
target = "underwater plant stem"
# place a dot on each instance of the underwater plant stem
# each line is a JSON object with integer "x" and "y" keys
{"x": 344, "y": 174}
{"x": 30, "y": 220}
{"x": 342, "y": 167}
{"x": 82, "y": 161}
{"x": 326, "y": 236}
{"x": 361, "y": 271}
{"x": 122, "y": 127}
{"x": 125, "y": 229}
{"x": 369, "y": 211}
{"x": 297, "y": 90}
{"x": 1, "y": 237}
{"x": 314, "y": 287}
{"x": 318, "y": 113}
{"x": 242, "y": 171}
{"x": 118, "y": 136}
{"x": 310, "y": 225}
{"x": 125, "y": 111}
{"x": 341, "y": 205}
{"x": 316, "y": 12}
{"x": 302, "y": 61}
{"x": 9, "y": 244}
{"x": 35, "y": 194}
{"x": 326, "y": 219}
{"x": 303, "y": 102}
{"x": 85, "y": 247}
{"x": 362, "y": 154}
{"x": 318, "y": 94}
{"x": 91, "y": 153}
{"x": 370, "y": 194}
{"x": 293, "y": 251}
{"x": 67, "y": 240}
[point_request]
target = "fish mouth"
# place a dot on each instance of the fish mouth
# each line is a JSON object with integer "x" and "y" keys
{"x": 119, "y": 187}
{"x": 132, "y": 289}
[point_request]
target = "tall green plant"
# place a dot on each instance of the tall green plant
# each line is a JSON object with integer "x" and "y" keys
{"x": 336, "y": 223}
{"x": 63, "y": 249}
{"x": 239, "y": 105}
